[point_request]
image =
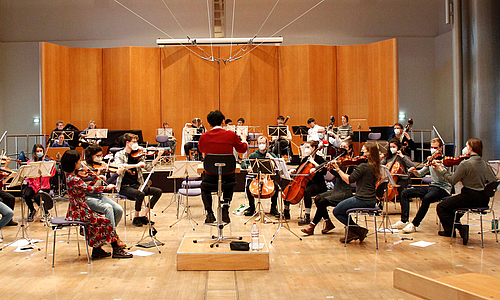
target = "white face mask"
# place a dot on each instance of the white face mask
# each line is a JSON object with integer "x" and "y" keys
{"x": 465, "y": 150}
{"x": 321, "y": 136}
{"x": 262, "y": 147}
{"x": 98, "y": 159}
{"x": 397, "y": 131}
{"x": 39, "y": 154}
{"x": 434, "y": 151}
{"x": 135, "y": 146}
{"x": 394, "y": 150}
{"x": 306, "y": 151}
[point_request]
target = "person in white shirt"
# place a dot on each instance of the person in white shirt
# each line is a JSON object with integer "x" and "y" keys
{"x": 312, "y": 133}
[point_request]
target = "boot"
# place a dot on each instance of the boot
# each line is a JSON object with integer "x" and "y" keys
{"x": 121, "y": 244}
{"x": 286, "y": 214}
{"x": 309, "y": 230}
{"x": 351, "y": 236}
{"x": 98, "y": 252}
{"x": 274, "y": 211}
{"x": 362, "y": 232}
{"x": 120, "y": 253}
{"x": 306, "y": 220}
{"x": 225, "y": 214}
{"x": 327, "y": 227}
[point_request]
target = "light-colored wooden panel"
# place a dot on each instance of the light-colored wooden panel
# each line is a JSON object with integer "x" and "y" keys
{"x": 116, "y": 88}
{"x": 56, "y": 104}
{"x": 145, "y": 91}
{"x": 85, "y": 86}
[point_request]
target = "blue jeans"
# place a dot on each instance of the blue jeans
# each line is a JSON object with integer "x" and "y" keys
{"x": 340, "y": 211}
{"x": 103, "y": 205}
{"x": 6, "y": 213}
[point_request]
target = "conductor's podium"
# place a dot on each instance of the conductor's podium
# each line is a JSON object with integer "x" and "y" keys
{"x": 201, "y": 257}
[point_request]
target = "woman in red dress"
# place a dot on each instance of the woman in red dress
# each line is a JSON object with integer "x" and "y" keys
{"x": 100, "y": 231}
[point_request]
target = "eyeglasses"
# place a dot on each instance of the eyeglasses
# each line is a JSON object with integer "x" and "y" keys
{"x": 434, "y": 147}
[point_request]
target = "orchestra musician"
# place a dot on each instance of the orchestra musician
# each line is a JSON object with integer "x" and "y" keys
{"x": 315, "y": 186}
{"x": 92, "y": 125}
{"x": 404, "y": 138}
{"x": 366, "y": 176}
{"x": 327, "y": 141}
{"x": 97, "y": 201}
{"x": 7, "y": 202}
{"x": 228, "y": 122}
{"x": 345, "y": 130}
{"x": 60, "y": 142}
{"x": 262, "y": 152}
{"x": 219, "y": 141}
{"x": 83, "y": 134}
{"x": 283, "y": 143}
{"x": 191, "y": 142}
{"x": 340, "y": 191}
{"x": 172, "y": 141}
{"x": 312, "y": 133}
{"x": 36, "y": 184}
{"x": 59, "y": 127}
{"x": 395, "y": 155}
{"x": 99, "y": 231}
{"x": 437, "y": 190}
{"x": 241, "y": 122}
{"x": 474, "y": 173}
{"x": 130, "y": 178}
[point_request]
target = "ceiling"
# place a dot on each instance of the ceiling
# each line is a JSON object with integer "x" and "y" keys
{"x": 91, "y": 20}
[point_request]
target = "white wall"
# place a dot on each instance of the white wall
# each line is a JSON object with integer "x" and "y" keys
{"x": 443, "y": 87}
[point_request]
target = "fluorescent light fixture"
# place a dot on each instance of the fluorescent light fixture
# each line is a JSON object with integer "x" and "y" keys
{"x": 220, "y": 41}
{"x": 402, "y": 115}
{"x": 36, "y": 120}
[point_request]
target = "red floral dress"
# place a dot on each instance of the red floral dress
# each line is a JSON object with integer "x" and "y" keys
{"x": 100, "y": 231}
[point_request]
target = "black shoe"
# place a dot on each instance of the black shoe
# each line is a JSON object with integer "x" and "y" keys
{"x": 286, "y": 214}
{"x": 464, "y": 234}
{"x": 11, "y": 223}
{"x": 274, "y": 212}
{"x": 305, "y": 221}
{"x": 225, "y": 214}
{"x": 31, "y": 216}
{"x": 99, "y": 252}
{"x": 120, "y": 253}
{"x": 249, "y": 211}
{"x": 210, "y": 218}
{"x": 448, "y": 234}
{"x": 137, "y": 222}
{"x": 145, "y": 220}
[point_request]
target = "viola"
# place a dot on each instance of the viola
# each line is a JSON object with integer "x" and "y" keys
{"x": 263, "y": 188}
{"x": 450, "y": 161}
{"x": 352, "y": 161}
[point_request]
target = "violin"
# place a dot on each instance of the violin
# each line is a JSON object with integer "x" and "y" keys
{"x": 450, "y": 161}
{"x": 352, "y": 161}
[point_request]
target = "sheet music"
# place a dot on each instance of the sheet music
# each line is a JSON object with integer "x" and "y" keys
{"x": 165, "y": 131}
{"x": 282, "y": 169}
{"x": 183, "y": 168}
{"x": 97, "y": 133}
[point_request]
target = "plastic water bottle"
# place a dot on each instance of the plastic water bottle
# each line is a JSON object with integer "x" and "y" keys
{"x": 255, "y": 237}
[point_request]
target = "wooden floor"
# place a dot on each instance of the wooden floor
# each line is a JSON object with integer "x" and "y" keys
{"x": 318, "y": 267}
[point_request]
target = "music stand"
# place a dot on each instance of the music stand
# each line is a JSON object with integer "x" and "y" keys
{"x": 68, "y": 134}
{"x": 283, "y": 173}
{"x": 151, "y": 230}
{"x": 278, "y": 131}
{"x": 300, "y": 130}
{"x": 185, "y": 169}
{"x": 165, "y": 131}
{"x": 260, "y": 167}
{"x": 33, "y": 170}
{"x": 97, "y": 134}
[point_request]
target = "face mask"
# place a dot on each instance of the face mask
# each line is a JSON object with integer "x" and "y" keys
{"x": 306, "y": 151}
{"x": 465, "y": 150}
{"x": 434, "y": 151}
{"x": 262, "y": 147}
{"x": 321, "y": 136}
{"x": 394, "y": 150}
{"x": 397, "y": 131}
{"x": 98, "y": 159}
{"x": 39, "y": 154}
{"x": 135, "y": 146}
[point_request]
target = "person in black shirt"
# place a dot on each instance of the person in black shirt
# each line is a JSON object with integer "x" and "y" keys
{"x": 404, "y": 138}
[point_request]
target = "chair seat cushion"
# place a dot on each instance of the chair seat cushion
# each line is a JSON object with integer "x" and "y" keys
{"x": 363, "y": 209}
{"x": 192, "y": 184}
{"x": 64, "y": 222}
{"x": 190, "y": 192}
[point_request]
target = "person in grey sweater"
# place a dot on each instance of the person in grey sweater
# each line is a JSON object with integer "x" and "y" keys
{"x": 437, "y": 190}
{"x": 475, "y": 174}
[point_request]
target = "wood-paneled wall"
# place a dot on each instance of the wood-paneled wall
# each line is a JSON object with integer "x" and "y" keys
{"x": 139, "y": 87}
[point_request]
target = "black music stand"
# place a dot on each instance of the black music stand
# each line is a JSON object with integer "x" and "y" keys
{"x": 300, "y": 130}
{"x": 278, "y": 131}
{"x": 283, "y": 173}
{"x": 220, "y": 164}
{"x": 260, "y": 167}
{"x": 185, "y": 169}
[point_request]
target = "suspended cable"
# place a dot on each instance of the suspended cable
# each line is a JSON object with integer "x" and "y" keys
{"x": 232, "y": 30}
{"x": 275, "y": 4}
{"x": 210, "y": 28}
{"x": 174, "y": 17}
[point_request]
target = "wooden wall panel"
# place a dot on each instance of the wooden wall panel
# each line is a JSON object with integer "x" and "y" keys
{"x": 249, "y": 86}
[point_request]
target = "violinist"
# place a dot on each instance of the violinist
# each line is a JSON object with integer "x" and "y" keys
{"x": 36, "y": 184}
{"x": 262, "y": 152}
{"x": 130, "y": 178}
{"x": 366, "y": 176}
{"x": 97, "y": 201}
{"x": 191, "y": 141}
{"x": 60, "y": 142}
{"x": 340, "y": 191}
{"x": 474, "y": 173}
{"x": 315, "y": 186}
{"x": 391, "y": 158}
{"x": 437, "y": 190}
{"x": 7, "y": 202}
{"x": 327, "y": 141}
{"x": 83, "y": 135}
{"x": 404, "y": 138}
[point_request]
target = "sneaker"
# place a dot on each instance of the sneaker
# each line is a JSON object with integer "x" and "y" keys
{"x": 240, "y": 210}
{"x": 409, "y": 228}
{"x": 12, "y": 223}
{"x": 250, "y": 211}
{"x": 31, "y": 216}
{"x": 399, "y": 225}
{"x": 305, "y": 221}
{"x": 137, "y": 222}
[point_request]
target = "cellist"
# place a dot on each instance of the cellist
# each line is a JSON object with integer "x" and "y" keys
{"x": 262, "y": 152}
{"x": 315, "y": 186}
{"x": 396, "y": 156}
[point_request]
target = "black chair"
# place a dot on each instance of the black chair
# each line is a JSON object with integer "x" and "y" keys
{"x": 59, "y": 223}
{"x": 489, "y": 190}
{"x": 220, "y": 164}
